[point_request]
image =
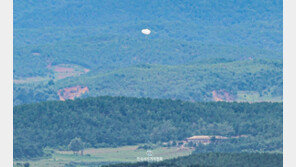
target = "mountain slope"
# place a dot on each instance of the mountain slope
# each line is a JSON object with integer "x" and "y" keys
{"x": 197, "y": 50}
{"x": 246, "y": 80}
{"x": 107, "y": 34}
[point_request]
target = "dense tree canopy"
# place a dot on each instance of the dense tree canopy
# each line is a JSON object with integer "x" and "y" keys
{"x": 76, "y": 145}
{"x": 187, "y": 38}
{"x": 248, "y": 80}
{"x": 117, "y": 121}
{"x": 215, "y": 159}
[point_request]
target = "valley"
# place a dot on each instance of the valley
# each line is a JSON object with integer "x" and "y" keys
{"x": 116, "y": 83}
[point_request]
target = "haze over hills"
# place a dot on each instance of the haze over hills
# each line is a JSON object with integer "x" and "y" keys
{"x": 73, "y": 42}
{"x": 85, "y": 73}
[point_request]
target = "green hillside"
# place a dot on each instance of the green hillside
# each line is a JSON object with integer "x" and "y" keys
{"x": 187, "y": 37}
{"x": 120, "y": 121}
{"x": 107, "y": 34}
{"x": 245, "y": 80}
{"x": 83, "y": 72}
{"x": 192, "y": 82}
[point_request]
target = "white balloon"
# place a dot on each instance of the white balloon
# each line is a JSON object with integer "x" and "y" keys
{"x": 146, "y": 31}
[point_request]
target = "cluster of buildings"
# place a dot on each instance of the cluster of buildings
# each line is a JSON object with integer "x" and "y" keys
{"x": 202, "y": 139}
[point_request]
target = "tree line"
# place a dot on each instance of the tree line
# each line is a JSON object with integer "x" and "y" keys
{"x": 215, "y": 159}
{"x": 116, "y": 121}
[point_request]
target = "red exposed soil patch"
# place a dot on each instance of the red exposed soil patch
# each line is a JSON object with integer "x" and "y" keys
{"x": 215, "y": 96}
{"x": 49, "y": 63}
{"x": 36, "y": 54}
{"x": 222, "y": 95}
{"x": 72, "y": 92}
{"x": 63, "y": 69}
{"x": 86, "y": 70}
{"x": 67, "y": 70}
{"x": 60, "y": 71}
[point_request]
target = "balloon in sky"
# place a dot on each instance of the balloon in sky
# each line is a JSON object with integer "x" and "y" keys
{"x": 146, "y": 31}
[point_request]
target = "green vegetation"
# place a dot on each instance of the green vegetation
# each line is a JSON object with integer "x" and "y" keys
{"x": 195, "y": 47}
{"x": 198, "y": 51}
{"x": 107, "y": 34}
{"x": 187, "y": 82}
{"x": 194, "y": 82}
{"x": 216, "y": 160}
{"x": 76, "y": 145}
{"x": 119, "y": 121}
{"x": 101, "y": 156}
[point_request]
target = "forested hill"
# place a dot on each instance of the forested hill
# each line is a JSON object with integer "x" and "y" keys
{"x": 117, "y": 121}
{"x": 107, "y": 34}
{"x": 94, "y": 44}
{"x": 221, "y": 80}
{"x": 216, "y": 160}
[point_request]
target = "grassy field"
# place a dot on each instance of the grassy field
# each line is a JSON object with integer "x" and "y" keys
{"x": 57, "y": 72}
{"x": 105, "y": 155}
{"x": 253, "y": 96}
{"x": 30, "y": 80}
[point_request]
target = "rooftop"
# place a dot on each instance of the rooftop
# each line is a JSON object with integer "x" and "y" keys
{"x": 199, "y": 137}
{"x": 205, "y": 137}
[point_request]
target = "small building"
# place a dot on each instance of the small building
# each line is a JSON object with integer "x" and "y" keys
{"x": 239, "y": 136}
{"x": 199, "y": 139}
{"x": 204, "y": 139}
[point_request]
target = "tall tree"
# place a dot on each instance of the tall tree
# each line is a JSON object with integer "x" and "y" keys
{"x": 76, "y": 145}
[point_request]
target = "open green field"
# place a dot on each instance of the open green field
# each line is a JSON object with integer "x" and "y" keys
{"x": 253, "y": 96}
{"x": 105, "y": 155}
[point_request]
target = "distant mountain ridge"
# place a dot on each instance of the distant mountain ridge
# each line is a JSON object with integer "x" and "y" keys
{"x": 107, "y": 33}
{"x": 105, "y": 36}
